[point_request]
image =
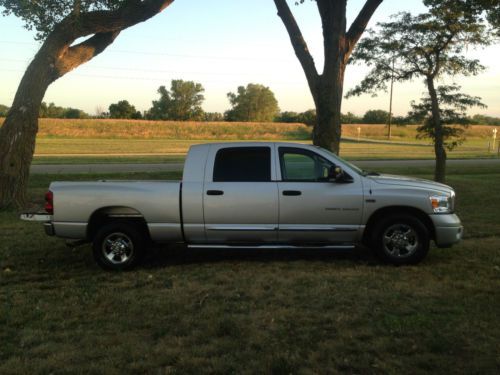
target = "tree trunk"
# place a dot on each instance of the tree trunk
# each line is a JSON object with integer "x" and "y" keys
{"x": 56, "y": 57}
{"x": 439, "y": 150}
{"x": 328, "y": 101}
{"x": 327, "y": 88}
{"x": 18, "y": 133}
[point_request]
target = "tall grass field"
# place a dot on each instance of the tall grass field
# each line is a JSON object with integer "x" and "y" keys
{"x": 118, "y": 138}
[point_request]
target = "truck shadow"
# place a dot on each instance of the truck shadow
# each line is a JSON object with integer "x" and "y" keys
{"x": 158, "y": 257}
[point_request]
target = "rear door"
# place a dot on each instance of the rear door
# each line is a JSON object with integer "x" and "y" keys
{"x": 240, "y": 197}
{"x": 312, "y": 208}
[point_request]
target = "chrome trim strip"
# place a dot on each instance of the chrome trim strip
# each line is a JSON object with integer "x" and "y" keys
{"x": 243, "y": 228}
{"x": 271, "y": 247}
{"x": 317, "y": 228}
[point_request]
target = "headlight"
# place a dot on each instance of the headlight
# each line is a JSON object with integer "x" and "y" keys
{"x": 443, "y": 204}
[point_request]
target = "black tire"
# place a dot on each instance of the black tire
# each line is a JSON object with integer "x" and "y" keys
{"x": 400, "y": 239}
{"x": 118, "y": 246}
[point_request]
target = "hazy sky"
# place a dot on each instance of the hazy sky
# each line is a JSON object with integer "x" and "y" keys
{"x": 221, "y": 44}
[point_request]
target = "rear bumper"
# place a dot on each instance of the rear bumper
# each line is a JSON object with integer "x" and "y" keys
{"x": 448, "y": 228}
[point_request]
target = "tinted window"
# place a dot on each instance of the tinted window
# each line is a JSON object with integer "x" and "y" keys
{"x": 243, "y": 164}
{"x": 303, "y": 165}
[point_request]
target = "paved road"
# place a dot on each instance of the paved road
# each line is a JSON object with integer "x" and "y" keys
{"x": 167, "y": 167}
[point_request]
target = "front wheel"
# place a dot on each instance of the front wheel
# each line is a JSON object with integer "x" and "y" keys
{"x": 118, "y": 246}
{"x": 401, "y": 239}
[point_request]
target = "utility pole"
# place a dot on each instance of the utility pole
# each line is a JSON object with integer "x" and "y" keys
{"x": 390, "y": 102}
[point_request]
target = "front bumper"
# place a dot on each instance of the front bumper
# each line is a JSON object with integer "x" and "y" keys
{"x": 448, "y": 229}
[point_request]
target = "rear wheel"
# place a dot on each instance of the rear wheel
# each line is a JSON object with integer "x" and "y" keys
{"x": 118, "y": 246}
{"x": 401, "y": 239}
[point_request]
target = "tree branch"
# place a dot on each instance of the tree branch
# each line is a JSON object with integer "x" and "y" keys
{"x": 298, "y": 42}
{"x": 83, "y": 52}
{"x": 359, "y": 25}
{"x": 131, "y": 13}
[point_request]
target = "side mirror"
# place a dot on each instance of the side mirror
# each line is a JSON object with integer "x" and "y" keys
{"x": 336, "y": 174}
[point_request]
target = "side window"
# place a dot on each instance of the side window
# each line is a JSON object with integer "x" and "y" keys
{"x": 303, "y": 165}
{"x": 243, "y": 164}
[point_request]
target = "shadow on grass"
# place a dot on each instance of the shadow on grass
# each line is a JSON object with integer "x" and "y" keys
{"x": 159, "y": 257}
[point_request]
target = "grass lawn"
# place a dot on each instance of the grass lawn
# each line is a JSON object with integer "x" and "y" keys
{"x": 103, "y": 150}
{"x": 280, "y": 312}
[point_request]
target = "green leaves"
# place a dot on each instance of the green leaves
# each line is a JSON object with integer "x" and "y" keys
{"x": 252, "y": 103}
{"x": 182, "y": 102}
{"x": 43, "y": 15}
{"x": 453, "y": 107}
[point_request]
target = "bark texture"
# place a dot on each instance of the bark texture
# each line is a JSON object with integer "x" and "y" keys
{"x": 55, "y": 58}
{"x": 439, "y": 150}
{"x": 327, "y": 87}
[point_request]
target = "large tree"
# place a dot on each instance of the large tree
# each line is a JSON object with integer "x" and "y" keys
{"x": 182, "y": 103}
{"x": 430, "y": 46}
{"x": 59, "y": 24}
{"x": 338, "y": 44}
{"x": 254, "y": 102}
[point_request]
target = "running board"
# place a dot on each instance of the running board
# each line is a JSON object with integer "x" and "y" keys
{"x": 272, "y": 247}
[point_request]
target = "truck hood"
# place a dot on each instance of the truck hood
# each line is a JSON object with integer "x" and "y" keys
{"x": 387, "y": 179}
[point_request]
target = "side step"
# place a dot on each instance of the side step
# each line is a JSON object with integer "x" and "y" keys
{"x": 270, "y": 247}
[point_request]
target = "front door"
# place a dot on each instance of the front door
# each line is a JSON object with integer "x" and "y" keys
{"x": 240, "y": 197}
{"x": 314, "y": 209}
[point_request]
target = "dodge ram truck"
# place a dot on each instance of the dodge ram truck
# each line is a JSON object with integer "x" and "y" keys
{"x": 256, "y": 195}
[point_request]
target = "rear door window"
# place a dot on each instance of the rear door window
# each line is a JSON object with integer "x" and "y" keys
{"x": 243, "y": 164}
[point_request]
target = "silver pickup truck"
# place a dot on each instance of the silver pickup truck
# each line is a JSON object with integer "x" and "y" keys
{"x": 256, "y": 194}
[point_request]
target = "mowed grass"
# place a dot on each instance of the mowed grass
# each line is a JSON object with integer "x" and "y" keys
{"x": 280, "y": 312}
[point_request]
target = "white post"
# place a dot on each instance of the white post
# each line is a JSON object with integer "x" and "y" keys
{"x": 359, "y": 132}
{"x": 494, "y": 131}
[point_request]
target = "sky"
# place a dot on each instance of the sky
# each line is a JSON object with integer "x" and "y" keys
{"x": 221, "y": 44}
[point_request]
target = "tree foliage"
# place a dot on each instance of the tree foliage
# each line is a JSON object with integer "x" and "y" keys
{"x": 182, "y": 103}
{"x": 3, "y": 110}
{"x": 123, "y": 109}
{"x": 375, "y": 116}
{"x": 431, "y": 46}
{"x": 44, "y": 15}
{"x": 453, "y": 107}
{"x": 254, "y": 102}
{"x": 53, "y": 111}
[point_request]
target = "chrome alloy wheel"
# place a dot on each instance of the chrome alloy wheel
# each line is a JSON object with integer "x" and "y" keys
{"x": 400, "y": 241}
{"x": 117, "y": 248}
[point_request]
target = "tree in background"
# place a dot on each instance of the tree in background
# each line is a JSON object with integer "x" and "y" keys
{"x": 453, "y": 107}
{"x": 182, "y": 103}
{"x": 308, "y": 117}
{"x": 3, "y": 110}
{"x": 123, "y": 109}
{"x": 54, "y": 111}
{"x": 429, "y": 46}
{"x": 338, "y": 44}
{"x": 75, "y": 113}
{"x": 58, "y": 24}
{"x": 213, "y": 117}
{"x": 252, "y": 103}
{"x": 350, "y": 118}
{"x": 375, "y": 116}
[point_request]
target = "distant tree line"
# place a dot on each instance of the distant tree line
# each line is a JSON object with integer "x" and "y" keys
{"x": 253, "y": 103}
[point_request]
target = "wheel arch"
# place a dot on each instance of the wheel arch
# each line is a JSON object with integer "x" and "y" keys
{"x": 116, "y": 214}
{"x": 394, "y": 210}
